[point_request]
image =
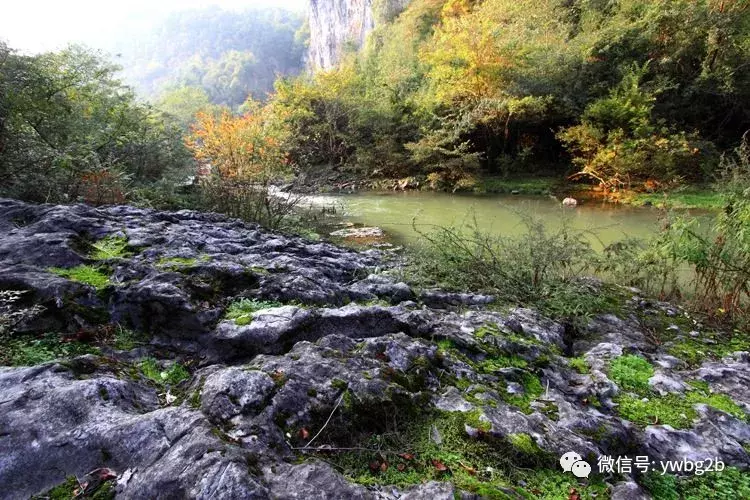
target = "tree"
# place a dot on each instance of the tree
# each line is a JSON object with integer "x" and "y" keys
{"x": 70, "y": 129}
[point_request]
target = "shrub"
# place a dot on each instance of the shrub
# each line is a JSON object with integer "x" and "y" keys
{"x": 620, "y": 145}
{"x": 542, "y": 268}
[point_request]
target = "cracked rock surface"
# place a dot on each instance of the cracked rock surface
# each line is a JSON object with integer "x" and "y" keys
{"x": 337, "y": 357}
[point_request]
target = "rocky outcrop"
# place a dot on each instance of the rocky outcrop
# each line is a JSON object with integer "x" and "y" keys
{"x": 336, "y": 383}
{"x": 338, "y": 24}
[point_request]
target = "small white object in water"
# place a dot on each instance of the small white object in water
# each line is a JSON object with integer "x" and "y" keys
{"x": 570, "y": 202}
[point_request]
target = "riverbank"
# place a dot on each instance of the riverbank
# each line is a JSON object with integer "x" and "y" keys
{"x": 182, "y": 354}
{"x": 324, "y": 180}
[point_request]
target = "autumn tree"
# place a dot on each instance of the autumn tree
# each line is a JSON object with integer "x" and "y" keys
{"x": 240, "y": 156}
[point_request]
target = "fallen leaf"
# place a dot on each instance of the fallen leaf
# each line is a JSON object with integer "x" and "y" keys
{"x": 304, "y": 433}
{"x": 471, "y": 470}
{"x": 573, "y": 494}
{"x": 383, "y": 466}
{"x": 401, "y": 467}
{"x": 406, "y": 456}
{"x": 440, "y": 466}
{"x": 375, "y": 466}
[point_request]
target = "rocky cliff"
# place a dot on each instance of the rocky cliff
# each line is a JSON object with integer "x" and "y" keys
{"x": 336, "y": 25}
{"x": 267, "y": 366}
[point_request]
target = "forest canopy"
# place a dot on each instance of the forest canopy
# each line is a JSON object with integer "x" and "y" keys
{"x": 626, "y": 91}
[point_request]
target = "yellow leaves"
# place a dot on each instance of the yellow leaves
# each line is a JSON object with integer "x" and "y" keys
{"x": 478, "y": 53}
{"x": 241, "y": 147}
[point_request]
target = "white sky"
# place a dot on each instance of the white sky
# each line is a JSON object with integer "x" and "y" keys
{"x": 36, "y": 25}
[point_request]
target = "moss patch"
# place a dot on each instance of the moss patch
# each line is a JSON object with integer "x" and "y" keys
{"x": 94, "y": 276}
{"x": 631, "y": 373}
{"x": 713, "y": 346}
{"x": 728, "y": 484}
{"x": 579, "y": 364}
{"x": 663, "y": 410}
{"x": 176, "y": 262}
{"x": 241, "y": 311}
{"x": 71, "y": 489}
{"x": 111, "y": 247}
{"x": 410, "y": 454}
{"x": 674, "y": 409}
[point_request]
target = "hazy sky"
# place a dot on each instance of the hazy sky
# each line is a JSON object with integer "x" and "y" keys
{"x": 35, "y": 25}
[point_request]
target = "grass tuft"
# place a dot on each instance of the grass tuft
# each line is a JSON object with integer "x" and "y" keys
{"x": 173, "y": 375}
{"x": 89, "y": 275}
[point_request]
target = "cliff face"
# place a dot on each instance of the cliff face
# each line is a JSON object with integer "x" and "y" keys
{"x": 334, "y": 24}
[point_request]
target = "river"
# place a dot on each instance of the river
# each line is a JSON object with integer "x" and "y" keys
{"x": 499, "y": 214}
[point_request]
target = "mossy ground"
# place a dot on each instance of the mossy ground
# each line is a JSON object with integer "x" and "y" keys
{"x": 631, "y": 373}
{"x": 729, "y": 484}
{"x": 519, "y": 185}
{"x": 709, "y": 346}
{"x": 71, "y": 489}
{"x": 177, "y": 263}
{"x": 688, "y": 198}
{"x": 436, "y": 446}
{"x": 639, "y": 404}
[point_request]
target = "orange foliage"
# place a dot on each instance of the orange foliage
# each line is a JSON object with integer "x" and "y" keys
{"x": 102, "y": 188}
{"x": 237, "y": 147}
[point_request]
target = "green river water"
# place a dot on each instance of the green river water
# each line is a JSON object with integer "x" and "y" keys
{"x": 500, "y": 214}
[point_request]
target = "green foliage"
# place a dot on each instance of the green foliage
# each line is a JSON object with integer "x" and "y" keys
{"x": 709, "y": 346}
{"x": 72, "y": 488}
{"x": 619, "y": 145}
{"x": 30, "y": 350}
{"x": 440, "y": 94}
{"x": 184, "y": 103}
{"x": 579, "y": 364}
{"x": 241, "y": 311}
{"x": 719, "y": 401}
{"x": 172, "y": 375}
{"x": 631, "y": 373}
{"x": 674, "y": 409}
{"x": 90, "y": 275}
{"x": 71, "y": 131}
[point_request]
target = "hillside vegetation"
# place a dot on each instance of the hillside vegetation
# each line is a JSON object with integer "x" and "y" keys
{"x": 629, "y": 93}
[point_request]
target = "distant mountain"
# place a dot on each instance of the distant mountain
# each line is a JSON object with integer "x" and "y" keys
{"x": 230, "y": 54}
